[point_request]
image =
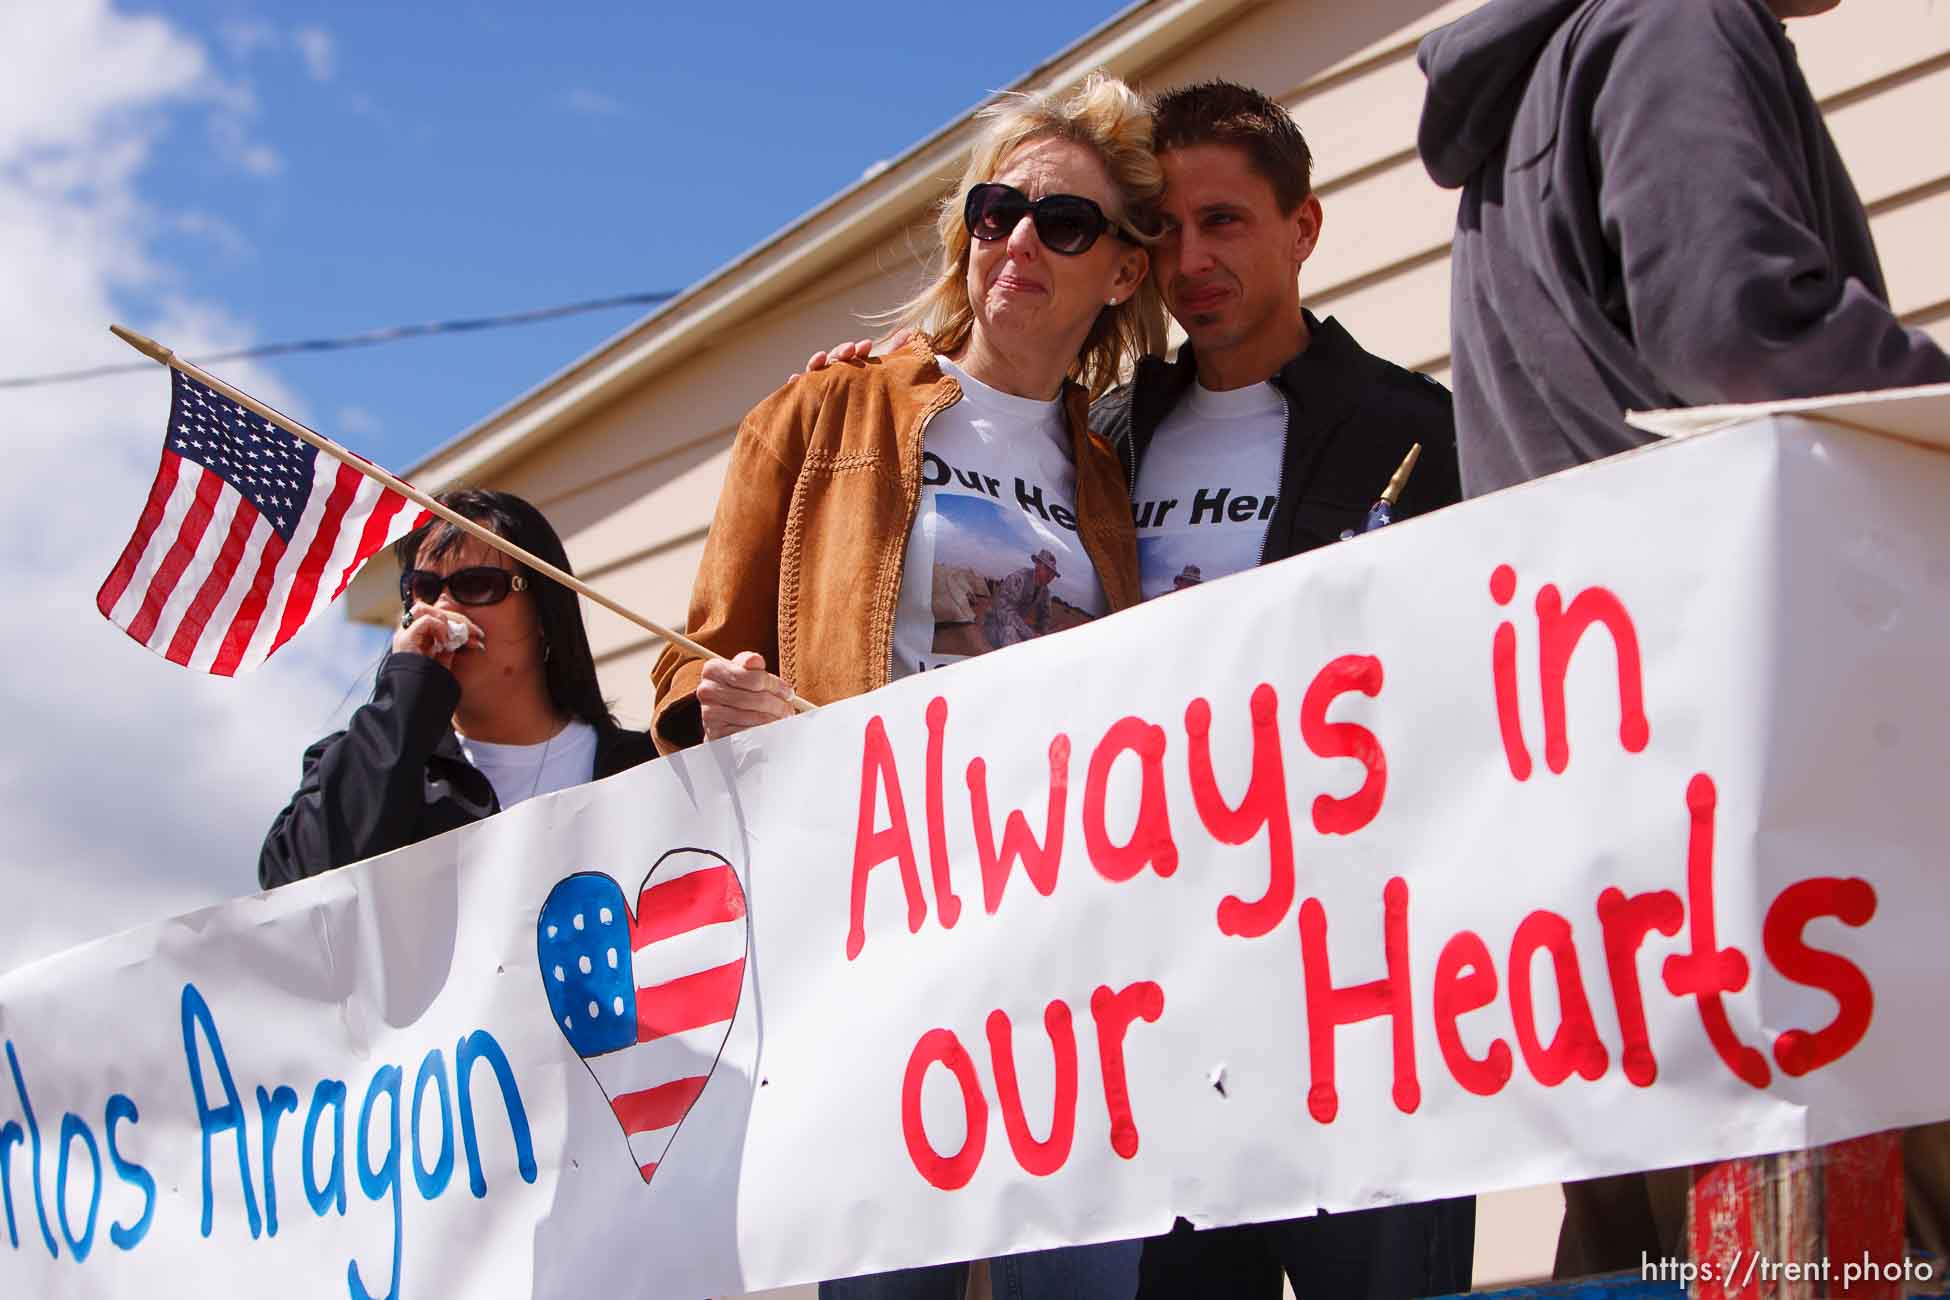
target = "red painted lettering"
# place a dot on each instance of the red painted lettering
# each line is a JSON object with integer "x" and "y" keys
{"x": 1709, "y": 971}
{"x": 1262, "y": 806}
{"x": 1575, "y": 1045}
{"x": 892, "y": 843}
{"x": 1114, "y": 1013}
{"x": 947, "y": 906}
{"x": 1326, "y": 739}
{"x": 1150, "y": 843}
{"x": 1853, "y": 903}
{"x": 1046, "y": 1157}
{"x": 1503, "y": 677}
{"x": 1627, "y": 922}
{"x": 1328, "y": 1007}
{"x": 940, "y": 1046}
{"x": 1465, "y": 981}
{"x": 1558, "y": 633}
{"x": 1040, "y": 859}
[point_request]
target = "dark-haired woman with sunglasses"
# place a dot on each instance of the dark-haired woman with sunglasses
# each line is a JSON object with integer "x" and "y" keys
{"x": 489, "y": 697}
{"x": 884, "y": 519}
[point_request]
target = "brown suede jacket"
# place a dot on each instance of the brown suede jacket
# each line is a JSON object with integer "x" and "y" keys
{"x": 803, "y": 563}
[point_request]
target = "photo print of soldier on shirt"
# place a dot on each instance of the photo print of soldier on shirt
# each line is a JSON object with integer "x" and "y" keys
{"x": 994, "y": 548}
{"x": 1201, "y": 506}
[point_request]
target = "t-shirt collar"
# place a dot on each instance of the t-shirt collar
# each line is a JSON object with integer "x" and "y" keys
{"x": 995, "y": 402}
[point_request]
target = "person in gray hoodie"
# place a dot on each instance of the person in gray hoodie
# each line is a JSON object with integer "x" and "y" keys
{"x": 1652, "y": 215}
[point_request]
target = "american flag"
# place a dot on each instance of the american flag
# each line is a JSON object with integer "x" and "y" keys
{"x": 647, "y": 1000}
{"x": 244, "y": 536}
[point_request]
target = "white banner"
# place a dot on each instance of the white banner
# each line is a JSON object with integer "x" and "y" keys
{"x": 1589, "y": 827}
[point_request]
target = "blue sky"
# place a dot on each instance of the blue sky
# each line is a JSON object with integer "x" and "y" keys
{"x": 412, "y": 162}
{"x": 220, "y": 174}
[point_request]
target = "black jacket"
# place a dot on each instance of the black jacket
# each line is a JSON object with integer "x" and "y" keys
{"x": 1350, "y": 419}
{"x": 396, "y": 776}
{"x": 1653, "y": 215}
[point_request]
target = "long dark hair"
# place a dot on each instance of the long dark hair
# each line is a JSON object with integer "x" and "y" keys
{"x": 570, "y": 667}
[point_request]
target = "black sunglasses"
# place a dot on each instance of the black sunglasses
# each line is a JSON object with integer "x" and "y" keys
{"x": 1066, "y": 223}
{"x": 484, "y": 584}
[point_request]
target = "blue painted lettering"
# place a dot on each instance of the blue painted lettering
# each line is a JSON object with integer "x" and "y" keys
{"x": 432, "y": 1182}
{"x": 480, "y": 1045}
{"x": 383, "y": 1181}
{"x": 227, "y": 1117}
{"x": 123, "y": 1108}
{"x": 34, "y": 1144}
{"x": 11, "y": 1136}
{"x": 379, "y": 1161}
{"x": 329, "y": 1092}
{"x": 72, "y": 1127}
{"x": 272, "y": 1107}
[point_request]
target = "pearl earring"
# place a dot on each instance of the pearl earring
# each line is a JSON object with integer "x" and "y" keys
{"x": 1110, "y": 302}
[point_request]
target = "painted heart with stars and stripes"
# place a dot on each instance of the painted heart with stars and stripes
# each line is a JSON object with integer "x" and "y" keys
{"x": 646, "y": 997}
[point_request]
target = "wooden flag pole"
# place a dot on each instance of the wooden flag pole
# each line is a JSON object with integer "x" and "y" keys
{"x": 155, "y": 351}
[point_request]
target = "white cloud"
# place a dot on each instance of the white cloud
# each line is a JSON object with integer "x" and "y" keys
{"x": 1002, "y": 542}
{"x": 245, "y": 37}
{"x": 319, "y": 51}
{"x": 314, "y": 46}
{"x": 592, "y": 103}
{"x": 129, "y": 62}
{"x": 96, "y": 124}
{"x": 130, "y": 789}
{"x": 215, "y": 231}
{"x": 234, "y": 144}
{"x": 357, "y": 422}
{"x": 986, "y": 550}
{"x": 364, "y": 105}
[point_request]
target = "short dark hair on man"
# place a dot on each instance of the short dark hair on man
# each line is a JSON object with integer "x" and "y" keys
{"x": 1224, "y": 112}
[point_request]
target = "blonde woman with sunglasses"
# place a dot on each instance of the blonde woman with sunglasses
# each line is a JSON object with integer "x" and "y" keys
{"x": 902, "y": 514}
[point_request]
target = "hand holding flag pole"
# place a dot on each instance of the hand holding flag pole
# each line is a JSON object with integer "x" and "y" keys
{"x": 1382, "y": 512}
{"x": 157, "y": 352}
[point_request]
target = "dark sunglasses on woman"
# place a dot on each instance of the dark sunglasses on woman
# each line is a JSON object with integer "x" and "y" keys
{"x": 1066, "y": 223}
{"x": 484, "y": 584}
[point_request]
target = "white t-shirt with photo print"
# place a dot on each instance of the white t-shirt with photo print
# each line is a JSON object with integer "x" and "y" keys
{"x": 993, "y": 557}
{"x": 1208, "y": 486}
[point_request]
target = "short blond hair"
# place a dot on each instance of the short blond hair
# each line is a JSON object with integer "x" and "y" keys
{"x": 1114, "y": 122}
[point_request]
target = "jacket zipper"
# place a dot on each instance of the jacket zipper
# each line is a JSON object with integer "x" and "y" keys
{"x": 1128, "y": 452}
{"x": 907, "y": 531}
{"x": 1279, "y": 491}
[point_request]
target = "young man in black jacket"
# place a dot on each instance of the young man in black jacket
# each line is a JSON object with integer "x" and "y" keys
{"x": 1271, "y": 433}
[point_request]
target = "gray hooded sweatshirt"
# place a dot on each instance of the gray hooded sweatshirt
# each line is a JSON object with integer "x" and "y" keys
{"x": 1653, "y": 214}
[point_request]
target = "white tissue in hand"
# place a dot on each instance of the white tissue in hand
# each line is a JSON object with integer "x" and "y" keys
{"x": 456, "y": 634}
